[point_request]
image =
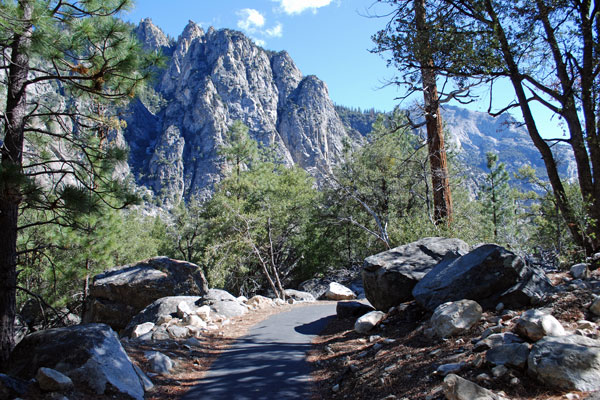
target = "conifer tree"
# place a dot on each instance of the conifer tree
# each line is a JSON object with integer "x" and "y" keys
{"x": 496, "y": 193}
{"x": 63, "y": 62}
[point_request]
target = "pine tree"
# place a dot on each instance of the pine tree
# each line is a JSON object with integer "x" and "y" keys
{"x": 496, "y": 194}
{"x": 59, "y": 48}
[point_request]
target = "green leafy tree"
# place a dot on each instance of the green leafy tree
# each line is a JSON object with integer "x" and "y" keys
{"x": 496, "y": 194}
{"x": 52, "y": 49}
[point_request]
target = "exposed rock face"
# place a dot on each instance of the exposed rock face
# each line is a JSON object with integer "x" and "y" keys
{"x": 485, "y": 275}
{"x": 390, "y": 277}
{"x": 119, "y": 294}
{"x": 90, "y": 355}
{"x": 213, "y": 79}
{"x": 223, "y": 303}
{"x": 568, "y": 362}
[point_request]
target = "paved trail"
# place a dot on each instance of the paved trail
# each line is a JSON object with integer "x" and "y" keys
{"x": 269, "y": 362}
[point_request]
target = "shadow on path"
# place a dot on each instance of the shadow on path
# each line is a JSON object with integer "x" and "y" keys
{"x": 269, "y": 362}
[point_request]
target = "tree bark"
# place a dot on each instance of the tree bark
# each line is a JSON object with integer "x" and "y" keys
{"x": 11, "y": 160}
{"x": 515, "y": 77}
{"x": 442, "y": 198}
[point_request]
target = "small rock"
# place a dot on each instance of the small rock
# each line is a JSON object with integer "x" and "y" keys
{"x": 499, "y": 371}
{"x": 454, "y": 318}
{"x": 483, "y": 377}
{"x": 513, "y": 355}
{"x": 195, "y": 321}
{"x": 203, "y": 312}
{"x": 583, "y": 324}
{"x": 571, "y": 396}
{"x": 515, "y": 381}
{"x": 368, "y": 321}
{"x": 178, "y": 332}
{"x": 580, "y": 271}
{"x": 142, "y": 329}
{"x": 163, "y": 319}
{"x": 457, "y": 388}
{"x": 374, "y": 338}
{"x": 184, "y": 309}
{"x": 535, "y": 324}
{"x": 451, "y": 368}
{"x": 260, "y": 302}
{"x": 500, "y": 307}
{"x": 337, "y": 291}
{"x": 159, "y": 363}
{"x": 335, "y": 388}
{"x": 53, "y": 381}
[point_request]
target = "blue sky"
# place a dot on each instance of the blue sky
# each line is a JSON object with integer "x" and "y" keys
{"x": 327, "y": 38}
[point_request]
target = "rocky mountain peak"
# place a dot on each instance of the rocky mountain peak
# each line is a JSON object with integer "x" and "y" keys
{"x": 151, "y": 36}
{"x": 212, "y": 80}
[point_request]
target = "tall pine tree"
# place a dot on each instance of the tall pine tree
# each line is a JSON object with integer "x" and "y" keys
{"x": 51, "y": 50}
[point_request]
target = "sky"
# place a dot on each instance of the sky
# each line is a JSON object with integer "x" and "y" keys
{"x": 327, "y": 38}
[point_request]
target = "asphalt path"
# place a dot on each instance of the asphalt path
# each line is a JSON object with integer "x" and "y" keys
{"x": 270, "y": 361}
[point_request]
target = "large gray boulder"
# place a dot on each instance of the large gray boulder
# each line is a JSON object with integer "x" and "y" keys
{"x": 566, "y": 362}
{"x": 91, "y": 355}
{"x": 489, "y": 274}
{"x": 119, "y": 294}
{"x": 223, "y": 303}
{"x": 390, "y": 277}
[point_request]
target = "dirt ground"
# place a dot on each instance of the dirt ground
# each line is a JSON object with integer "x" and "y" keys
{"x": 399, "y": 361}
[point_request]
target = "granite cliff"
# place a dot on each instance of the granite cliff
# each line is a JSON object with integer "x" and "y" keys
{"x": 212, "y": 79}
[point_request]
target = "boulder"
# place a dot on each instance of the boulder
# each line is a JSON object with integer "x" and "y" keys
{"x": 529, "y": 291}
{"x": 535, "y": 324}
{"x": 91, "y": 355}
{"x": 368, "y": 321}
{"x": 51, "y": 380}
{"x": 489, "y": 274}
{"x": 12, "y": 388}
{"x": 580, "y": 271}
{"x": 457, "y": 388}
{"x": 118, "y": 295}
{"x": 569, "y": 362}
{"x": 160, "y": 311}
{"x": 337, "y": 291}
{"x": 390, "y": 277}
{"x": 259, "y": 302}
{"x": 223, "y": 303}
{"x": 455, "y": 318}
{"x": 511, "y": 355}
{"x": 349, "y": 277}
{"x": 299, "y": 295}
{"x": 352, "y": 309}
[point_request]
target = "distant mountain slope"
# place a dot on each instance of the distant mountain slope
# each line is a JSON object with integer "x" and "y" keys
{"x": 214, "y": 78}
{"x": 471, "y": 134}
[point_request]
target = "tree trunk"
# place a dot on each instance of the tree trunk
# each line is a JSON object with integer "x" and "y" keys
{"x": 442, "y": 198}
{"x": 12, "y": 169}
{"x": 557, "y": 187}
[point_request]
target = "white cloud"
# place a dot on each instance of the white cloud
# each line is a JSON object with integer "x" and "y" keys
{"x": 299, "y": 6}
{"x": 276, "y": 31}
{"x": 259, "y": 42}
{"x": 251, "y": 19}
